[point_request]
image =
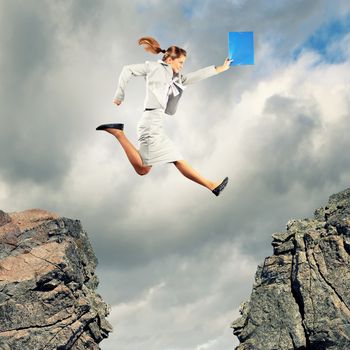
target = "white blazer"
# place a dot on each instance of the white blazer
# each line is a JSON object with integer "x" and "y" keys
{"x": 163, "y": 87}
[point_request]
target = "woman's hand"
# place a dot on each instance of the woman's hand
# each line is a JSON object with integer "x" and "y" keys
{"x": 225, "y": 66}
{"x": 117, "y": 102}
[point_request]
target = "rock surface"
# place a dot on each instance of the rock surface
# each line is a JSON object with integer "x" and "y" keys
{"x": 47, "y": 284}
{"x": 301, "y": 295}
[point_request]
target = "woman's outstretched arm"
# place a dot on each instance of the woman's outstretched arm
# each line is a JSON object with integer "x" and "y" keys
{"x": 139, "y": 69}
{"x": 205, "y": 73}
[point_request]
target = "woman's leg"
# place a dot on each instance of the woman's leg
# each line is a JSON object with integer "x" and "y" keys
{"x": 193, "y": 175}
{"x": 131, "y": 152}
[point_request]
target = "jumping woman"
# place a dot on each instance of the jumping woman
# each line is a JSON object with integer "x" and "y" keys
{"x": 164, "y": 87}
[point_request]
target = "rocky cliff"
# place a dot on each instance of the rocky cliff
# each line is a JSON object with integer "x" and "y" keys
{"x": 47, "y": 284}
{"x": 301, "y": 295}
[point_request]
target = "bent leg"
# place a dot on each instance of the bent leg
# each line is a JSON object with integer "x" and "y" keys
{"x": 131, "y": 152}
{"x": 193, "y": 175}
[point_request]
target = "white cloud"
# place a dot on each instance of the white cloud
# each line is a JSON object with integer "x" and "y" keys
{"x": 181, "y": 310}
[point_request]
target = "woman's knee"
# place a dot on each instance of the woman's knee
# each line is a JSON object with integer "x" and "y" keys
{"x": 143, "y": 171}
{"x": 180, "y": 163}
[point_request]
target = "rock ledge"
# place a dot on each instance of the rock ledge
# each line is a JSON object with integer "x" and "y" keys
{"x": 301, "y": 295}
{"x": 47, "y": 284}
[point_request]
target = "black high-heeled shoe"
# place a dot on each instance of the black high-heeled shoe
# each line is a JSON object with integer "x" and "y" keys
{"x": 110, "y": 126}
{"x": 219, "y": 188}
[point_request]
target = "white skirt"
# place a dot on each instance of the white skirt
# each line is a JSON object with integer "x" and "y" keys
{"x": 155, "y": 147}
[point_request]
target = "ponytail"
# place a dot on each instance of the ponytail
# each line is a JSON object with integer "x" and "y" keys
{"x": 152, "y": 45}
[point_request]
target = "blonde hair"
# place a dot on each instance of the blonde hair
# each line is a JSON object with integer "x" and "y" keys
{"x": 152, "y": 45}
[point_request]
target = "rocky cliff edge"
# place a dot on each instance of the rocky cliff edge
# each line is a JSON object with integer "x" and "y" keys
{"x": 47, "y": 284}
{"x": 301, "y": 295}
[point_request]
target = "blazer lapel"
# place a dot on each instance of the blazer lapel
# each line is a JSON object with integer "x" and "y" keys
{"x": 167, "y": 67}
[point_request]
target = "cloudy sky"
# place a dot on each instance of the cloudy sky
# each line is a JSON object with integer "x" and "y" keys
{"x": 175, "y": 261}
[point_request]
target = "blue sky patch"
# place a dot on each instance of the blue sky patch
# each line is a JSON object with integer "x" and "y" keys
{"x": 187, "y": 10}
{"x": 191, "y": 8}
{"x": 324, "y": 38}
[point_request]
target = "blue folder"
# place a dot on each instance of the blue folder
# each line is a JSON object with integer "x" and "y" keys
{"x": 241, "y": 48}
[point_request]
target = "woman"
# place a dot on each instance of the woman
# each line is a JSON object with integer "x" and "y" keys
{"x": 165, "y": 85}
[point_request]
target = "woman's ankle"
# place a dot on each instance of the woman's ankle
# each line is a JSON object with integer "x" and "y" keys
{"x": 115, "y": 132}
{"x": 213, "y": 185}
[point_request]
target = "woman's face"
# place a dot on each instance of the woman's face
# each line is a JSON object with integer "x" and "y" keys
{"x": 176, "y": 63}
